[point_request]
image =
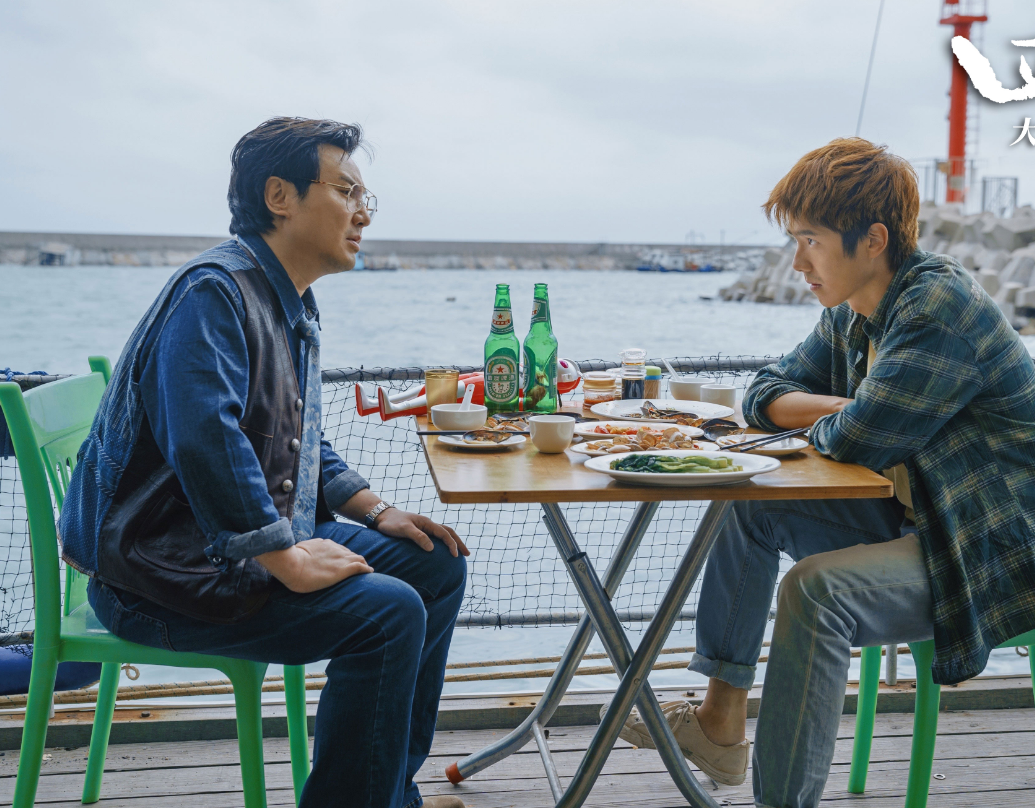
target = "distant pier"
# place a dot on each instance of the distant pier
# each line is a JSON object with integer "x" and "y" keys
{"x": 74, "y": 249}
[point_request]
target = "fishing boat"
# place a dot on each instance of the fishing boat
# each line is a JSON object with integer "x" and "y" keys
{"x": 664, "y": 261}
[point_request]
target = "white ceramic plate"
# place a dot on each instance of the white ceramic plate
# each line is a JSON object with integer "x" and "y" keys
{"x": 777, "y": 449}
{"x": 581, "y": 448}
{"x": 629, "y": 409}
{"x": 585, "y": 428}
{"x": 458, "y": 442}
{"x": 752, "y": 465}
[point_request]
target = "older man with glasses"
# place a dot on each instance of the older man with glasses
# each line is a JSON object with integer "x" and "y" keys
{"x": 204, "y": 503}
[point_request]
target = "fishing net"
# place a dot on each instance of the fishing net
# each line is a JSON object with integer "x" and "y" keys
{"x": 16, "y": 599}
{"x": 515, "y": 576}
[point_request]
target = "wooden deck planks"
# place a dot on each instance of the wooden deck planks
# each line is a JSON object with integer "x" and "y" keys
{"x": 987, "y": 757}
{"x": 210, "y": 722}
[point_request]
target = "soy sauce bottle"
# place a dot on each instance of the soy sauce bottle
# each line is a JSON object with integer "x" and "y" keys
{"x": 634, "y": 372}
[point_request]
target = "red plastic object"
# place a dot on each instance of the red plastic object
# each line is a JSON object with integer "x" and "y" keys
{"x": 419, "y": 405}
{"x": 413, "y": 402}
{"x": 453, "y": 774}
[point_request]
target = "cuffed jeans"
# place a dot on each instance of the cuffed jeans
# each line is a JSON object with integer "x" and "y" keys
{"x": 859, "y": 580}
{"x": 386, "y": 636}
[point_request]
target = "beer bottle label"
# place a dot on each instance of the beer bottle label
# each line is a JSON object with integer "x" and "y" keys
{"x": 502, "y": 321}
{"x": 540, "y": 311}
{"x": 501, "y": 378}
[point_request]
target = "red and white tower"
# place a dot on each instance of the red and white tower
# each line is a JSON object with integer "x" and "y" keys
{"x": 961, "y": 15}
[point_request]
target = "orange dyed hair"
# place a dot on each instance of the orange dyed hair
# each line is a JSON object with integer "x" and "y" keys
{"x": 847, "y": 186}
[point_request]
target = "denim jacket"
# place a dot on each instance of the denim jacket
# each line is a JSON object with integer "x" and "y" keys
{"x": 185, "y": 369}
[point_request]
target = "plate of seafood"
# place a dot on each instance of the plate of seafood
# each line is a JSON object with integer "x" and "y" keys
{"x": 598, "y": 430}
{"x": 508, "y": 421}
{"x": 665, "y": 410}
{"x": 485, "y": 440}
{"x": 645, "y": 438}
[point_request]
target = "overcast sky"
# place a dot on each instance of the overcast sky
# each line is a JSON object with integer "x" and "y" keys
{"x": 490, "y": 119}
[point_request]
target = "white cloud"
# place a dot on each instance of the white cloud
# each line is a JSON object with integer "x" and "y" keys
{"x": 492, "y": 120}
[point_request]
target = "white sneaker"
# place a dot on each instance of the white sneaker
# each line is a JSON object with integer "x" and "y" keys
{"x": 724, "y": 764}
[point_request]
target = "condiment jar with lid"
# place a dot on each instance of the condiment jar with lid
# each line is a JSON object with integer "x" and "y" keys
{"x": 652, "y": 382}
{"x": 597, "y": 388}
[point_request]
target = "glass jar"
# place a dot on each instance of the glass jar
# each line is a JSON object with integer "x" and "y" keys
{"x": 597, "y": 388}
{"x": 634, "y": 371}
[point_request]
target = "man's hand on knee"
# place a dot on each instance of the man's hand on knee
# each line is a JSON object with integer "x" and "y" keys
{"x": 419, "y": 529}
{"x": 401, "y": 524}
{"x": 313, "y": 564}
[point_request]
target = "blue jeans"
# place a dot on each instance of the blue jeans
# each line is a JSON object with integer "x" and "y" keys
{"x": 386, "y": 636}
{"x": 860, "y": 580}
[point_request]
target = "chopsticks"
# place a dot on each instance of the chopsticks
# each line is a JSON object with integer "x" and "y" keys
{"x": 747, "y": 446}
{"x": 465, "y": 431}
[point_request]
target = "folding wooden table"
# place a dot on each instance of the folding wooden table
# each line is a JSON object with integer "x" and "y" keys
{"x": 525, "y": 475}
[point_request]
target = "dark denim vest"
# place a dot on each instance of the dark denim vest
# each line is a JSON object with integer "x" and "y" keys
{"x": 149, "y": 542}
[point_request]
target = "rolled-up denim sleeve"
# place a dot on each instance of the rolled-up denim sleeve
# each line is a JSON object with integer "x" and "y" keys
{"x": 806, "y": 369}
{"x": 340, "y": 483}
{"x": 266, "y": 539}
{"x": 194, "y": 386}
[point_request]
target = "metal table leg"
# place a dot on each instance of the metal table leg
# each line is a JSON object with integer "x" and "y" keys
{"x": 634, "y": 667}
{"x": 558, "y": 685}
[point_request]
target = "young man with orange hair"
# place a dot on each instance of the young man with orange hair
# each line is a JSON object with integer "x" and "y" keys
{"x": 914, "y": 372}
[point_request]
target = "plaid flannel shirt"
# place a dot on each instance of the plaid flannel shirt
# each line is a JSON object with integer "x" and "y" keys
{"x": 952, "y": 395}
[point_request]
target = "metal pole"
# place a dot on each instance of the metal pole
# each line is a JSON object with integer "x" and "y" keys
{"x": 551, "y": 618}
{"x": 558, "y": 685}
{"x": 891, "y": 666}
{"x": 634, "y": 670}
{"x": 551, "y": 769}
{"x": 869, "y": 69}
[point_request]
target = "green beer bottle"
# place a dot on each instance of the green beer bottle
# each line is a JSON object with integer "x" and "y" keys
{"x": 502, "y": 350}
{"x": 540, "y": 350}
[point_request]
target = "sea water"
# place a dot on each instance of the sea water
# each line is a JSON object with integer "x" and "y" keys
{"x": 54, "y": 317}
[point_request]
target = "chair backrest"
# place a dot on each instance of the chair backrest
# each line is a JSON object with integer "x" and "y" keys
{"x": 1027, "y": 638}
{"x": 48, "y": 425}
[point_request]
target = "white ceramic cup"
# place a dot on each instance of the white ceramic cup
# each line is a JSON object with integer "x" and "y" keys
{"x": 724, "y": 394}
{"x": 687, "y": 388}
{"x": 551, "y": 433}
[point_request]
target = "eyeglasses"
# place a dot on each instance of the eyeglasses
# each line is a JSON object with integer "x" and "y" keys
{"x": 357, "y": 195}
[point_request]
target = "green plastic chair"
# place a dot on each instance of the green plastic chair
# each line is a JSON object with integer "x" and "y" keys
{"x": 47, "y": 425}
{"x": 925, "y": 717}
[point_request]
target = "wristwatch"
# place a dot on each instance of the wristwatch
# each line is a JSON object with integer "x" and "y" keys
{"x": 376, "y": 511}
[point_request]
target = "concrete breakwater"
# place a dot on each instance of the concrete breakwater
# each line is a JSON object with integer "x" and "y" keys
{"x": 998, "y": 251}
{"x": 73, "y": 249}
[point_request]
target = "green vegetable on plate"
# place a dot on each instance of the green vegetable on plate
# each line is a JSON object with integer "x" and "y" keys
{"x": 666, "y": 464}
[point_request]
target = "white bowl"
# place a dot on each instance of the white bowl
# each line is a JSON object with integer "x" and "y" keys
{"x": 687, "y": 388}
{"x": 449, "y": 416}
